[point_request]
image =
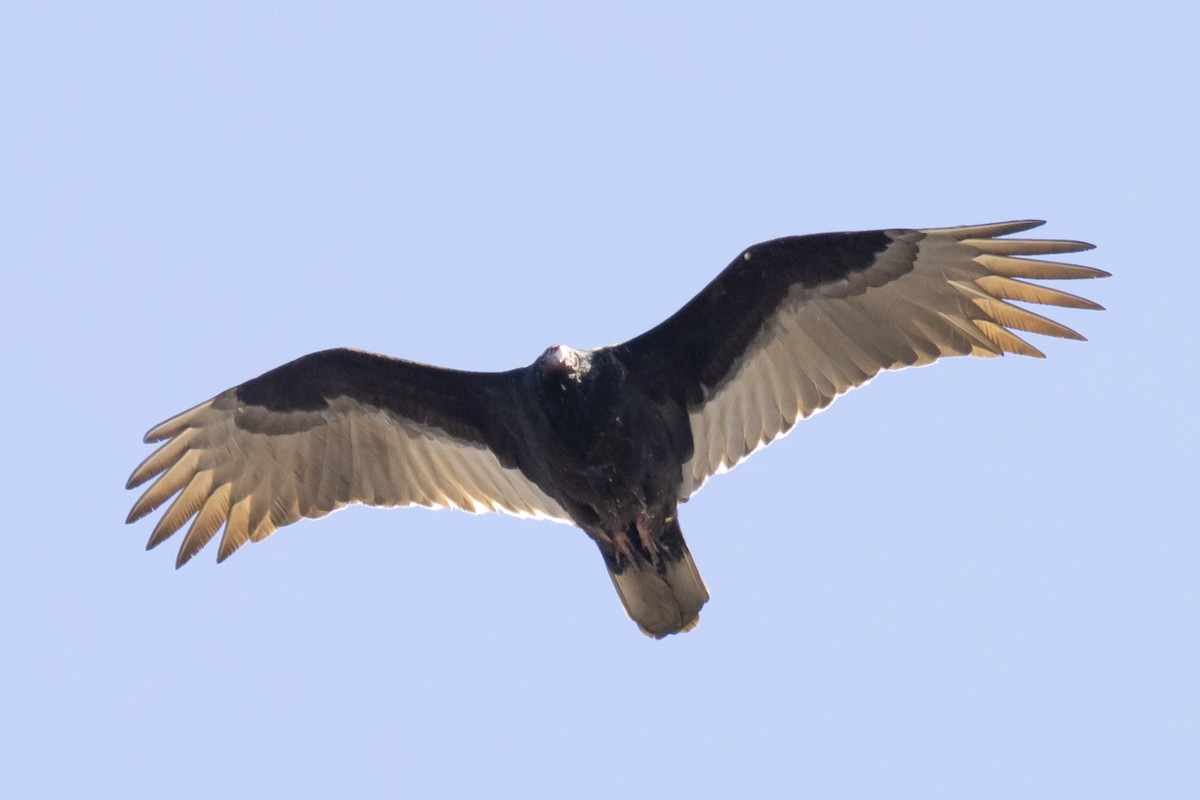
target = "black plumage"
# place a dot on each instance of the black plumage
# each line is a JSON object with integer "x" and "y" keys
{"x": 611, "y": 439}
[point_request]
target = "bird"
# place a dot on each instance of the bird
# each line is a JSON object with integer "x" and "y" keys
{"x": 612, "y": 439}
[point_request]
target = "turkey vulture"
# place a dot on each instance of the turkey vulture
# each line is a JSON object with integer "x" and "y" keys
{"x": 611, "y": 439}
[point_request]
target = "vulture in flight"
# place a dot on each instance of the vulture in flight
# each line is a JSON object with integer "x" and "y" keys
{"x": 613, "y": 439}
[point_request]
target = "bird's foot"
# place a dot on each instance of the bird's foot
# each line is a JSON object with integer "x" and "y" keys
{"x": 626, "y": 551}
{"x": 650, "y": 542}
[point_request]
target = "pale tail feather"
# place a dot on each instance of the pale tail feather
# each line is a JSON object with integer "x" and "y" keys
{"x": 666, "y": 602}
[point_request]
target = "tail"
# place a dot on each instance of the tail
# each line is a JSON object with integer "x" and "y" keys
{"x": 666, "y": 598}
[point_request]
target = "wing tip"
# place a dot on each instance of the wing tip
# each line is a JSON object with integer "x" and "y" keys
{"x": 987, "y": 229}
{"x": 140, "y": 476}
{"x": 989, "y": 238}
{"x": 180, "y": 422}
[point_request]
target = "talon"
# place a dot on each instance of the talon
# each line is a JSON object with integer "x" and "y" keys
{"x": 625, "y": 550}
{"x": 650, "y": 542}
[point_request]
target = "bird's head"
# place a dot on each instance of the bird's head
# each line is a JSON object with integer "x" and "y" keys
{"x": 564, "y": 361}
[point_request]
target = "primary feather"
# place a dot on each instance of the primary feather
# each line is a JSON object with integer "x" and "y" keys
{"x": 610, "y": 439}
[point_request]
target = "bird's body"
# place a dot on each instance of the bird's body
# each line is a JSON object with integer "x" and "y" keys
{"x": 611, "y": 456}
{"x": 612, "y": 439}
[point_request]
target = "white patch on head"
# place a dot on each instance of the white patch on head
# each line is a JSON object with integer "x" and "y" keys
{"x": 563, "y": 360}
{"x": 746, "y": 256}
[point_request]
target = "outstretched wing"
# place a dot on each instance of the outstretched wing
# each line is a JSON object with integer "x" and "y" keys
{"x": 793, "y": 323}
{"x": 330, "y": 429}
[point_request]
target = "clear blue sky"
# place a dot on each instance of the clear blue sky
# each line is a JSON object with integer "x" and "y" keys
{"x": 979, "y": 579}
